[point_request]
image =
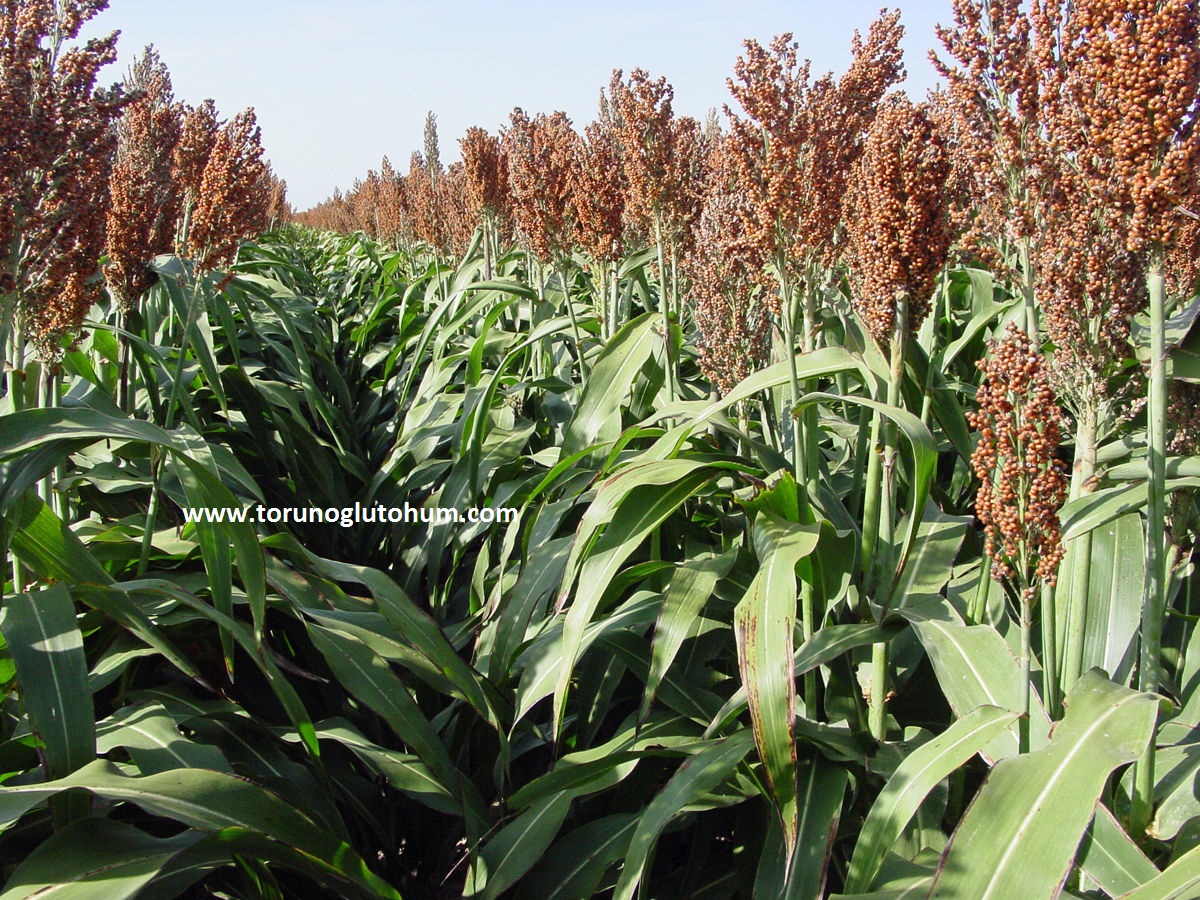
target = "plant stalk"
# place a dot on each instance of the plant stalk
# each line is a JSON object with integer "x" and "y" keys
{"x": 664, "y": 302}
{"x": 885, "y": 555}
{"x": 1078, "y": 574}
{"x": 1149, "y": 668}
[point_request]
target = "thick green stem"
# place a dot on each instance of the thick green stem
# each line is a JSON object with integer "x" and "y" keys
{"x": 614, "y": 307}
{"x": 488, "y": 265}
{"x": 787, "y": 314}
{"x": 871, "y": 498}
{"x": 811, "y": 428}
{"x": 575, "y": 334}
{"x": 885, "y": 555}
{"x": 977, "y": 608}
{"x": 151, "y": 515}
{"x": 1149, "y": 668}
{"x": 664, "y": 301}
{"x": 1079, "y": 552}
{"x": 1026, "y": 606}
{"x": 1051, "y": 694}
{"x": 885, "y": 551}
{"x": 1027, "y": 291}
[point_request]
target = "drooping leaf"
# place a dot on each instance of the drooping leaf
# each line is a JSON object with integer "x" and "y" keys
{"x": 911, "y": 783}
{"x": 1022, "y": 831}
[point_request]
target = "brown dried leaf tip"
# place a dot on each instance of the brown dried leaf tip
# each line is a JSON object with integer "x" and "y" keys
{"x": 1022, "y": 483}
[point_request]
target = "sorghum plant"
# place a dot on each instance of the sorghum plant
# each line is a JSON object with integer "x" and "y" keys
{"x": 144, "y": 203}
{"x": 795, "y": 151}
{"x": 393, "y": 215}
{"x": 992, "y": 99}
{"x": 542, "y": 155}
{"x": 424, "y": 192}
{"x": 279, "y": 211}
{"x": 657, "y": 152}
{"x": 1125, "y": 112}
{"x": 365, "y": 202}
{"x": 725, "y": 268}
{"x": 899, "y": 234}
{"x": 420, "y": 199}
{"x": 899, "y": 239}
{"x": 543, "y": 158}
{"x": 1021, "y": 481}
{"x": 454, "y": 201}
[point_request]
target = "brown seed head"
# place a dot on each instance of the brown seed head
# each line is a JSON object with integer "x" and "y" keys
{"x": 1022, "y": 483}
{"x": 897, "y": 221}
{"x": 233, "y": 199}
{"x": 144, "y": 203}
{"x": 486, "y": 172}
{"x": 543, "y": 156}
{"x": 1126, "y": 106}
{"x": 724, "y": 267}
{"x": 599, "y": 192}
{"x": 56, "y": 148}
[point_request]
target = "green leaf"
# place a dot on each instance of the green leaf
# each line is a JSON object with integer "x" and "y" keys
{"x": 208, "y": 801}
{"x": 627, "y": 508}
{"x": 764, "y": 622}
{"x": 367, "y": 676}
{"x": 690, "y": 589}
{"x": 1020, "y": 835}
{"x": 597, "y": 419}
{"x": 802, "y": 876}
{"x": 1115, "y": 593}
{"x": 573, "y": 867}
{"x": 924, "y": 462}
{"x": 975, "y": 668}
{"x": 48, "y": 548}
{"x": 521, "y": 843}
{"x": 822, "y": 648}
{"x": 95, "y": 859}
{"x": 1109, "y": 857}
{"x": 155, "y": 742}
{"x": 911, "y": 783}
{"x": 1179, "y": 881}
{"x": 692, "y": 781}
{"x": 47, "y": 648}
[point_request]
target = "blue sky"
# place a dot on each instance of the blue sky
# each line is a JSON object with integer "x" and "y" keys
{"x": 338, "y": 86}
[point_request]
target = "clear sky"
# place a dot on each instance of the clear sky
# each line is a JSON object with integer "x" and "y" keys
{"x": 338, "y": 85}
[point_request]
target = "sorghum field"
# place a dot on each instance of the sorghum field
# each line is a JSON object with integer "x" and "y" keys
{"x": 854, "y": 440}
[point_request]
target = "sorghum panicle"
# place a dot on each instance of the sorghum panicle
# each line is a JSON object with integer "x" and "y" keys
{"x": 992, "y": 102}
{"x": 1126, "y": 106}
{"x": 1022, "y": 483}
{"x": 232, "y": 204}
{"x": 145, "y": 203}
{"x": 724, "y": 265}
{"x": 643, "y": 118}
{"x": 1089, "y": 285}
{"x": 802, "y": 138}
{"x": 454, "y": 203}
{"x": 899, "y": 230}
{"x": 599, "y": 194}
{"x": 56, "y": 147}
{"x": 543, "y": 154}
{"x": 197, "y": 137}
{"x": 486, "y": 173}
